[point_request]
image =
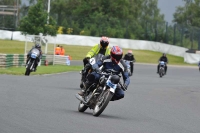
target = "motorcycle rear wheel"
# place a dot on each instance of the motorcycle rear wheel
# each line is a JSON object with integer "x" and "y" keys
{"x": 102, "y": 102}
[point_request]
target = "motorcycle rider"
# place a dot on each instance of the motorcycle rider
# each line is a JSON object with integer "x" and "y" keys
{"x": 113, "y": 61}
{"x": 130, "y": 58}
{"x": 101, "y": 48}
{"x": 37, "y": 46}
{"x": 163, "y": 58}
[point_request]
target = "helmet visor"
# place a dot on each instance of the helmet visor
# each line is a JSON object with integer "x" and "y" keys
{"x": 104, "y": 44}
{"x": 116, "y": 57}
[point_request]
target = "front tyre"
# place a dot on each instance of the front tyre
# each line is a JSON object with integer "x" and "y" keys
{"x": 102, "y": 102}
{"x": 161, "y": 72}
{"x": 82, "y": 107}
{"x": 28, "y": 71}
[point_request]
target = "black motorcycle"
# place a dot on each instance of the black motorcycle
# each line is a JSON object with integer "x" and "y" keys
{"x": 88, "y": 67}
{"x": 199, "y": 68}
{"x": 98, "y": 95}
{"x": 129, "y": 66}
{"x": 32, "y": 60}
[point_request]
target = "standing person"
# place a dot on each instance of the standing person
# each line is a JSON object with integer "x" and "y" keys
{"x": 57, "y": 50}
{"x": 37, "y": 46}
{"x": 101, "y": 48}
{"x": 129, "y": 59}
{"x": 163, "y": 58}
{"x": 62, "y": 51}
{"x": 113, "y": 61}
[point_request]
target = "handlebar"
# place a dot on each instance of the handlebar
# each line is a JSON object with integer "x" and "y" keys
{"x": 108, "y": 73}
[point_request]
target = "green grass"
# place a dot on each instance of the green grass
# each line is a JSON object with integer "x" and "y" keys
{"x": 40, "y": 70}
{"x": 77, "y": 53}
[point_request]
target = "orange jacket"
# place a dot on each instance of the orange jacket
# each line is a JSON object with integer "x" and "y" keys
{"x": 62, "y": 51}
{"x": 57, "y": 50}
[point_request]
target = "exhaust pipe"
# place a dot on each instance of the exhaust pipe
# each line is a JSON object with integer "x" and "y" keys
{"x": 80, "y": 98}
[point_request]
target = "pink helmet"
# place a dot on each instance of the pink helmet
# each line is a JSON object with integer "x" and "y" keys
{"x": 104, "y": 42}
{"x": 130, "y": 51}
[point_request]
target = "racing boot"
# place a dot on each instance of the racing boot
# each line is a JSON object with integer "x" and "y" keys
{"x": 82, "y": 72}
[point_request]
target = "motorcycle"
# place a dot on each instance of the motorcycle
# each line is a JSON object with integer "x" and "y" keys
{"x": 98, "y": 95}
{"x": 88, "y": 67}
{"x": 31, "y": 63}
{"x": 129, "y": 66}
{"x": 199, "y": 66}
{"x": 162, "y": 69}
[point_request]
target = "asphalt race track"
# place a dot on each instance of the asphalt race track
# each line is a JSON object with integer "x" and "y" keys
{"x": 47, "y": 104}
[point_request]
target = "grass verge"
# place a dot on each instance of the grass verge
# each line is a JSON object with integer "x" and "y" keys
{"x": 77, "y": 53}
{"x": 40, "y": 70}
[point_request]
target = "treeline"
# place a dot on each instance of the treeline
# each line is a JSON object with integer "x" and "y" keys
{"x": 131, "y": 19}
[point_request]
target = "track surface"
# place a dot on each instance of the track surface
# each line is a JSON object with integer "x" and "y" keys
{"x": 46, "y": 104}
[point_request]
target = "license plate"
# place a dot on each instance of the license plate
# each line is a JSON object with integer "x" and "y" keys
{"x": 33, "y": 55}
{"x": 111, "y": 85}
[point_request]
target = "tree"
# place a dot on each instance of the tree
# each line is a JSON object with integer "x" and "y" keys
{"x": 151, "y": 20}
{"x": 36, "y": 21}
{"x": 9, "y": 21}
{"x": 188, "y": 14}
{"x": 188, "y": 17}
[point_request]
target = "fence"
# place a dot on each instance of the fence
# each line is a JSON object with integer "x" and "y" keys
{"x": 9, "y": 60}
{"x": 159, "y": 31}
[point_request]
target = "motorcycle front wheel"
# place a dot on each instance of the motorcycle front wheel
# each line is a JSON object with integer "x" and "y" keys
{"x": 161, "y": 73}
{"x": 28, "y": 71}
{"x": 102, "y": 102}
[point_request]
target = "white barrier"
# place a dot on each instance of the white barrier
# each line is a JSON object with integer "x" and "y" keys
{"x": 124, "y": 43}
{"x": 5, "y": 34}
{"x": 191, "y": 58}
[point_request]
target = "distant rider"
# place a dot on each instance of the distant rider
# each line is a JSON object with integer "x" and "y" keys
{"x": 37, "y": 46}
{"x": 163, "y": 58}
{"x": 101, "y": 48}
{"x": 113, "y": 61}
{"x": 129, "y": 58}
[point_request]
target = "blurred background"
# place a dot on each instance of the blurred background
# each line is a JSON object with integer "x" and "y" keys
{"x": 172, "y": 22}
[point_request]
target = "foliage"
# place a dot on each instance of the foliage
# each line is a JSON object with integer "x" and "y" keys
{"x": 188, "y": 17}
{"x": 36, "y": 21}
{"x": 60, "y": 30}
{"x": 189, "y": 13}
{"x": 120, "y": 19}
{"x": 9, "y": 22}
{"x": 131, "y": 19}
